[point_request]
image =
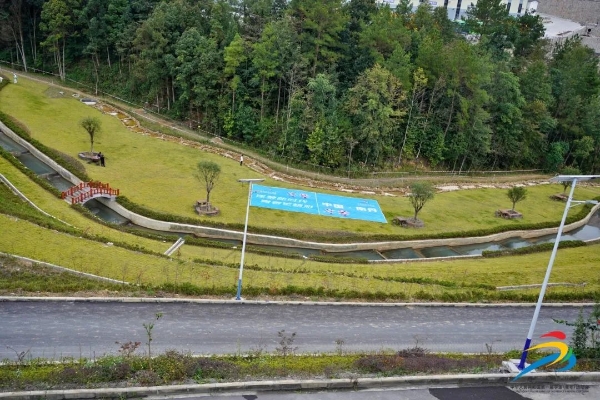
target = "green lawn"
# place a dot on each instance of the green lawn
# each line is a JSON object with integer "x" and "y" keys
{"x": 443, "y": 280}
{"x": 160, "y": 175}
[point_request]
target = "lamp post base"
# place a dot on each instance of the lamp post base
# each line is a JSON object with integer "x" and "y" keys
{"x": 512, "y": 366}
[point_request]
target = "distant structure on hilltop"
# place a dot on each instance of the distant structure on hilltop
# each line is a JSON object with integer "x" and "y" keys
{"x": 457, "y": 8}
{"x": 583, "y": 11}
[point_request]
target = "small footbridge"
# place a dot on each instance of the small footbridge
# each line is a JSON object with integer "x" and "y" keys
{"x": 89, "y": 190}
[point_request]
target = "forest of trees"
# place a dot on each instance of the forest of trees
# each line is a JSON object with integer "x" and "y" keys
{"x": 348, "y": 85}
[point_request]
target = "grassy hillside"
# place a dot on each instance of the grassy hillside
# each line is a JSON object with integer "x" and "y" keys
{"x": 159, "y": 175}
{"x": 202, "y": 270}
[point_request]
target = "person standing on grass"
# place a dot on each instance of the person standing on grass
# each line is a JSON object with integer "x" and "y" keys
{"x": 241, "y": 159}
{"x": 101, "y": 159}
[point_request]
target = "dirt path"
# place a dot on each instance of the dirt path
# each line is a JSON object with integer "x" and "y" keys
{"x": 395, "y": 186}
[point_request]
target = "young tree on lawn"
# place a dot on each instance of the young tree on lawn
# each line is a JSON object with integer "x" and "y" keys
{"x": 208, "y": 173}
{"x": 92, "y": 127}
{"x": 568, "y": 171}
{"x": 420, "y": 193}
{"x": 516, "y": 194}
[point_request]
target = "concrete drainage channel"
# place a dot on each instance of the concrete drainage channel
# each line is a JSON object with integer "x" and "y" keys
{"x": 374, "y": 252}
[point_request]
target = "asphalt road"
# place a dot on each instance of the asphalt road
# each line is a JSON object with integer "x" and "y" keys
{"x": 55, "y": 329}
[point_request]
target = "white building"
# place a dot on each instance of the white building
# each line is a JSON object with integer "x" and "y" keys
{"x": 457, "y": 8}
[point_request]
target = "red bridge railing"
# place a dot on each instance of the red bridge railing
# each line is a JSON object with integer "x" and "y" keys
{"x": 71, "y": 190}
{"x": 87, "y": 190}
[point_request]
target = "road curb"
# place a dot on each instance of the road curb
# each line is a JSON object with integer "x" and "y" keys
{"x": 266, "y": 302}
{"x": 309, "y": 385}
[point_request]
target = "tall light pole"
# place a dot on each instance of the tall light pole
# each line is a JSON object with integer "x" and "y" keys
{"x": 561, "y": 178}
{"x": 250, "y": 182}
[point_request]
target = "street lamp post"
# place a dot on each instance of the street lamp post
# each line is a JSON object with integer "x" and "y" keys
{"x": 250, "y": 182}
{"x": 561, "y": 178}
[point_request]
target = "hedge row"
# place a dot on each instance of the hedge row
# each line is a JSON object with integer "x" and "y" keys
{"x": 467, "y": 296}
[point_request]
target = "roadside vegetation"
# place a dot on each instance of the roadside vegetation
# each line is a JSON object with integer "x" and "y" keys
{"x": 131, "y": 366}
{"x": 180, "y": 368}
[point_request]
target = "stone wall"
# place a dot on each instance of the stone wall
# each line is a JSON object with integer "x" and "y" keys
{"x": 582, "y": 11}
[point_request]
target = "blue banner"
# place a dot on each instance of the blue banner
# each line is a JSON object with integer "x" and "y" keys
{"x": 316, "y": 203}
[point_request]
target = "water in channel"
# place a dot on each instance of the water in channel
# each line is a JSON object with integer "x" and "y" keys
{"x": 586, "y": 232}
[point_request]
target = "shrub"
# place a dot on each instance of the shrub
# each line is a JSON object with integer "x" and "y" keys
{"x": 147, "y": 378}
{"x": 416, "y": 360}
{"x": 413, "y": 352}
{"x": 171, "y": 366}
{"x": 585, "y": 339}
{"x": 121, "y": 371}
{"x": 379, "y": 363}
{"x": 206, "y": 368}
{"x": 437, "y": 364}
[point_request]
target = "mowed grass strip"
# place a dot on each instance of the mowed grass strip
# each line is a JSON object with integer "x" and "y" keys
{"x": 271, "y": 275}
{"x": 25, "y": 239}
{"x": 159, "y": 175}
{"x": 271, "y": 272}
{"x": 23, "y": 277}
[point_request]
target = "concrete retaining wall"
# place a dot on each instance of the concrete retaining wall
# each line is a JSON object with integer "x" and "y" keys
{"x": 583, "y": 11}
{"x": 41, "y": 156}
{"x": 381, "y": 246}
